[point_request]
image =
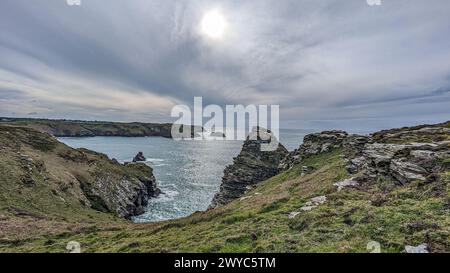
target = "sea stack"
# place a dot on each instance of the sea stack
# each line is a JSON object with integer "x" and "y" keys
{"x": 250, "y": 167}
{"x": 139, "y": 157}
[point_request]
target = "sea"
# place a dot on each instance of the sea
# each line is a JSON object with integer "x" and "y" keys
{"x": 188, "y": 172}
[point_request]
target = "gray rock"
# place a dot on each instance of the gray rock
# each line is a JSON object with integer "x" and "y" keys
{"x": 313, "y": 203}
{"x": 402, "y": 162}
{"x": 405, "y": 171}
{"x": 319, "y": 200}
{"x": 293, "y": 214}
{"x": 423, "y": 248}
{"x": 139, "y": 157}
{"x": 346, "y": 183}
{"x": 307, "y": 208}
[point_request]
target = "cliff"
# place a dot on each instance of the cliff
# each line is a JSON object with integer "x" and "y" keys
{"x": 74, "y": 128}
{"x": 41, "y": 176}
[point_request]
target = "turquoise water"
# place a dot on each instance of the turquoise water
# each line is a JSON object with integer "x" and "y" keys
{"x": 188, "y": 172}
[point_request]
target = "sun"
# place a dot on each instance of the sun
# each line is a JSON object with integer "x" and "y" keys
{"x": 214, "y": 24}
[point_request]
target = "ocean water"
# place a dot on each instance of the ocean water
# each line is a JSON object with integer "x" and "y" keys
{"x": 188, "y": 172}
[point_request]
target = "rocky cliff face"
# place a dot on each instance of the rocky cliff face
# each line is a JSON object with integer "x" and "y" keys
{"x": 250, "y": 167}
{"x": 36, "y": 170}
{"x": 403, "y": 162}
{"x": 405, "y": 154}
{"x": 122, "y": 190}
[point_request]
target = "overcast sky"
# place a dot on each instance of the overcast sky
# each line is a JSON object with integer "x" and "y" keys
{"x": 328, "y": 64}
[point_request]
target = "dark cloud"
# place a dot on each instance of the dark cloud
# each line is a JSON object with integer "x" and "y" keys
{"x": 325, "y": 62}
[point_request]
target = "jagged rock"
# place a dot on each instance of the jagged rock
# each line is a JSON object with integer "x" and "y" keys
{"x": 139, "y": 157}
{"x": 353, "y": 150}
{"x": 354, "y": 164}
{"x": 423, "y": 248}
{"x": 314, "y": 144}
{"x": 403, "y": 162}
{"x": 250, "y": 167}
{"x": 346, "y": 183}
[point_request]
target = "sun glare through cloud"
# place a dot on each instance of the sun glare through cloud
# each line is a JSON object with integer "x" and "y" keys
{"x": 214, "y": 24}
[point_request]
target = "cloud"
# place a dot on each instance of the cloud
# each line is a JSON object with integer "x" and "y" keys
{"x": 327, "y": 63}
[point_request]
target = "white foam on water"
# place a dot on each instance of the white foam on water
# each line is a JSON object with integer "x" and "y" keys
{"x": 167, "y": 196}
{"x": 155, "y": 160}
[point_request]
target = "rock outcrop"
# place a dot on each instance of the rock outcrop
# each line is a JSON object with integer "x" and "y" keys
{"x": 405, "y": 154}
{"x": 139, "y": 157}
{"x": 250, "y": 167}
{"x": 124, "y": 196}
{"x": 403, "y": 162}
{"x": 314, "y": 144}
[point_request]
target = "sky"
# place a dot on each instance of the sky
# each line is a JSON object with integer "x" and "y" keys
{"x": 329, "y": 64}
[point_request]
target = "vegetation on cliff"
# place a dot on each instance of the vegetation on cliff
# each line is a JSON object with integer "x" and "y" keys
{"x": 320, "y": 202}
{"x": 46, "y": 186}
{"x": 76, "y": 128}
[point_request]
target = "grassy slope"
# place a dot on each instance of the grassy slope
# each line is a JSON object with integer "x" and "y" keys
{"x": 390, "y": 214}
{"x": 40, "y": 191}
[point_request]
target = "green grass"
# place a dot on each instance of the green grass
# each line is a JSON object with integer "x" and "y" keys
{"x": 381, "y": 211}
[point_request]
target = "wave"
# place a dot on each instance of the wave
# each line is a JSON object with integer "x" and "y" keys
{"x": 154, "y": 160}
{"x": 168, "y": 196}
